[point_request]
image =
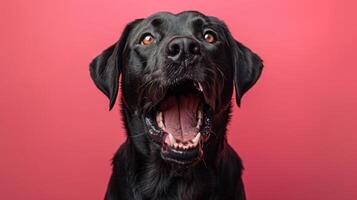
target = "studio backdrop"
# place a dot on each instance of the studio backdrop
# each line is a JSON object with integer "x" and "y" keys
{"x": 296, "y": 129}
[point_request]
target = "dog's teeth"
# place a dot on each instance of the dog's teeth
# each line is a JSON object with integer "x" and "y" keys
{"x": 159, "y": 116}
{"x": 196, "y": 139}
{"x": 199, "y": 114}
{"x": 161, "y": 125}
{"x": 180, "y": 146}
{"x": 200, "y": 87}
{"x": 175, "y": 145}
{"x": 159, "y": 120}
{"x": 199, "y": 123}
{"x": 172, "y": 139}
{"x": 199, "y": 119}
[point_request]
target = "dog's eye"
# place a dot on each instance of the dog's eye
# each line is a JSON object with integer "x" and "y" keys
{"x": 210, "y": 37}
{"x": 147, "y": 39}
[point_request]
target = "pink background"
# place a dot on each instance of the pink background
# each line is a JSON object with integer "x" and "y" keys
{"x": 296, "y": 130}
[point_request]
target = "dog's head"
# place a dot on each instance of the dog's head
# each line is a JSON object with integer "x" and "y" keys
{"x": 178, "y": 73}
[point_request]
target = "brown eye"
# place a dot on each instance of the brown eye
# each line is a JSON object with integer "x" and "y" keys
{"x": 209, "y": 37}
{"x": 147, "y": 39}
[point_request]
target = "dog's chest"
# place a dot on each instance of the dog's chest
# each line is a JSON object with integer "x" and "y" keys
{"x": 162, "y": 186}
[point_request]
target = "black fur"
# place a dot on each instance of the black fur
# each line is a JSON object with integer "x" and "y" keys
{"x": 139, "y": 171}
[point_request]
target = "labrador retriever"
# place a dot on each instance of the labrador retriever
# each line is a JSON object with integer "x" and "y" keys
{"x": 178, "y": 73}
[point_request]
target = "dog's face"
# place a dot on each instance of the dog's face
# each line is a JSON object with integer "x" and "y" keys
{"x": 178, "y": 73}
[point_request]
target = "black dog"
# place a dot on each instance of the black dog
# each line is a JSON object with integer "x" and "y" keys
{"x": 178, "y": 73}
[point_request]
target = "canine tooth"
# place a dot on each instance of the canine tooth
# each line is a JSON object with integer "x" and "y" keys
{"x": 159, "y": 116}
{"x": 172, "y": 139}
{"x": 196, "y": 139}
{"x": 175, "y": 145}
{"x": 199, "y": 123}
{"x": 180, "y": 146}
{"x": 200, "y": 87}
{"x": 199, "y": 114}
{"x": 199, "y": 117}
{"x": 161, "y": 125}
{"x": 159, "y": 121}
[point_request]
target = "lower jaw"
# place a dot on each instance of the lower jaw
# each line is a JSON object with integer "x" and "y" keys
{"x": 182, "y": 157}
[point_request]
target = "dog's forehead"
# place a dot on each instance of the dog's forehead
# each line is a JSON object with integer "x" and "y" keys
{"x": 177, "y": 18}
{"x": 174, "y": 22}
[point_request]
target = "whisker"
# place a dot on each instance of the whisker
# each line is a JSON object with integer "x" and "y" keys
{"x": 220, "y": 72}
{"x": 138, "y": 135}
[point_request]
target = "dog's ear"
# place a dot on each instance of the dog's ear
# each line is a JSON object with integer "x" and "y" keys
{"x": 105, "y": 69}
{"x": 247, "y": 69}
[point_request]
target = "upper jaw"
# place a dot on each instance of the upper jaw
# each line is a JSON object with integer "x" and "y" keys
{"x": 150, "y": 96}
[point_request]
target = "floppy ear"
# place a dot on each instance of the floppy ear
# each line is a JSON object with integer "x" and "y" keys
{"x": 247, "y": 69}
{"x": 105, "y": 69}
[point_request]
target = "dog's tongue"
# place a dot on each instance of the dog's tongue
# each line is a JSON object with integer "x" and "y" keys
{"x": 179, "y": 114}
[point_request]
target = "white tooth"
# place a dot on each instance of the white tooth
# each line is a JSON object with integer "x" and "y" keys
{"x": 199, "y": 117}
{"x": 159, "y": 121}
{"x": 172, "y": 139}
{"x": 199, "y": 123}
{"x": 159, "y": 116}
{"x": 175, "y": 145}
{"x": 199, "y": 114}
{"x": 200, "y": 87}
{"x": 196, "y": 139}
{"x": 180, "y": 146}
{"x": 161, "y": 125}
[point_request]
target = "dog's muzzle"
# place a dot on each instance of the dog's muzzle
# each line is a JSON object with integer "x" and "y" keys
{"x": 181, "y": 123}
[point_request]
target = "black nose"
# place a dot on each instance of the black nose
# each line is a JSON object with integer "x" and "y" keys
{"x": 181, "y": 48}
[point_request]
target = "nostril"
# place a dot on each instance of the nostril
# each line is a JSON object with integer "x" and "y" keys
{"x": 194, "y": 49}
{"x": 180, "y": 48}
{"x": 174, "y": 49}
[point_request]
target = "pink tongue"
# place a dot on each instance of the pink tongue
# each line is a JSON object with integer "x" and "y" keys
{"x": 180, "y": 116}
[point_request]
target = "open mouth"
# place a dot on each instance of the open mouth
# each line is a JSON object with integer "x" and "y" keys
{"x": 181, "y": 123}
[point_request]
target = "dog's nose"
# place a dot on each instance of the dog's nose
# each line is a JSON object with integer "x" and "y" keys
{"x": 181, "y": 48}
